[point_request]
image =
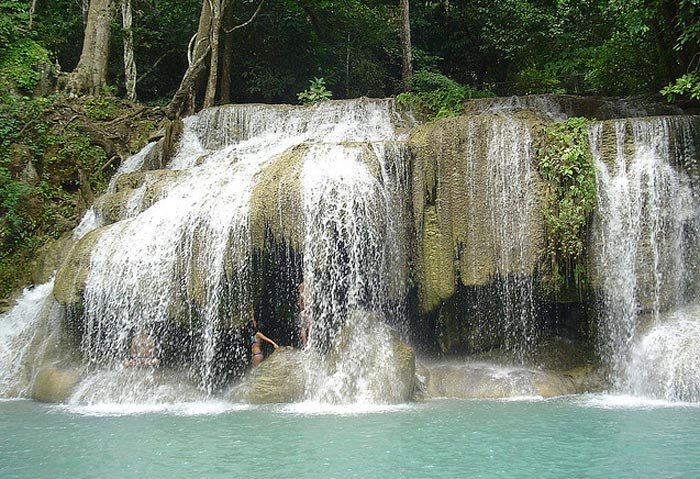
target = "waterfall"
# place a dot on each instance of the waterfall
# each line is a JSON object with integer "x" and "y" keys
{"x": 503, "y": 211}
{"x": 178, "y": 254}
{"x": 512, "y": 203}
{"x": 645, "y": 240}
{"x": 352, "y": 253}
{"x": 19, "y": 351}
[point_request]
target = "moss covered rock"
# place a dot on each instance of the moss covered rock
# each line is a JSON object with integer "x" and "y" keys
{"x": 73, "y": 273}
{"x": 280, "y": 378}
{"x": 55, "y": 385}
{"x": 475, "y": 202}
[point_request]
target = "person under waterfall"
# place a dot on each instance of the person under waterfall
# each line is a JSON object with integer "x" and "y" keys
{"x": 143, "y": 351}
{"x": 256, "y": 340}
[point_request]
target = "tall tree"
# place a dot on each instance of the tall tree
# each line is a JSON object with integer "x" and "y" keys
{"x": 407, "y": 61}
{"x": 90, "y": 76}
{"x": 129, "y": 62}
{"x": 203, "y": 46}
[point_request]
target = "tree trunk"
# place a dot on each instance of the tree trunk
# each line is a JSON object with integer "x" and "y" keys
{"x": 212, "y": 83}
{"x": 407, "y": 62}
{"x": 90, "y": 76}
{"x": 84, "y": 7}
{"x": 227, "y": 56}
{"x": 183, "y": 100}
{"x": 129, "y": 62}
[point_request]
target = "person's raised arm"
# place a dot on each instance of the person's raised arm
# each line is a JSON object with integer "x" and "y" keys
{"x": 265, "y": 338}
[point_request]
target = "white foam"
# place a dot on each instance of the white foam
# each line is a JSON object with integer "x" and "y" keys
{"x": 625, "y": 401}
{"x": 198, "y": 408}
{"x": 318, "y": 408}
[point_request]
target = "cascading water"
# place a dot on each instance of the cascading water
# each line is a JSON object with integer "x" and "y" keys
{"x": 351, "y": 248}
{"x": 180, "y": 250}
{"x": 645, "y": 245}
{"x": 512, "y": 199}
{"x": 511, "y": 206}
{"x": 17, "y": 327}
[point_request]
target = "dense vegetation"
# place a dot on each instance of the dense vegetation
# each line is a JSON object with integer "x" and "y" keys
{"x": 609, "y": 47}
{"x": 302, "y": 50}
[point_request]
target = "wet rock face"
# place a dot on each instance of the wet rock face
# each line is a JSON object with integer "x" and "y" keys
{"x": 475, "y": 208}
{"x": 72, "y": 275}
{"x": 561, "y": 107}
{"x": 55, "y": 385}
{"x": 488, "y": 381}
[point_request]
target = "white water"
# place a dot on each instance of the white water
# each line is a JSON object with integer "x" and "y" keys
{"x": 665, "y": 360}
{"x": 353, "y": 254}
{"x": 511, "y": 206}
{"x": 17, "y": 327}
{"x": 645, "y": 251}
{"x": 186, "y": 257}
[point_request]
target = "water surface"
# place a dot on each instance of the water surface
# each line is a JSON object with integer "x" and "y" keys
{"x": 586, "y": 437}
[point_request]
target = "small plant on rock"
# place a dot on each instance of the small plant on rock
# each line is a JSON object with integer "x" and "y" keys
{"x": 317, "y": 92}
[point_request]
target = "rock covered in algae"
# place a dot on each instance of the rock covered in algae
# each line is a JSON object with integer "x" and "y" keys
{"x": 55, "y": 385}
{"x": 280, "y": 378}
{"x": 135, "y": 192}
{"x": 475, "y": 202}
{"x": 405, "y": 358}
{"x": 276, "y": 200}
{"x": 73, "y": 273}
{"x": 49, "y": 258}
{"x": 488, "y": 381}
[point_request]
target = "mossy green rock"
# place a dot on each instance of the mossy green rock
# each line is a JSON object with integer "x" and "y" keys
{"x": 50, "y": 256}
{"x": 454, "y": 208}
{"x": 73, "y": 273}
{"x": 278, "y": 379}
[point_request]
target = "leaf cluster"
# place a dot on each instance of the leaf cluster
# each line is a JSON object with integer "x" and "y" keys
{"x": 434, "y": 95}
{"x": 687, "y": 85}
{"x": 316, "y": 93}
{"x": 565, "y": 164}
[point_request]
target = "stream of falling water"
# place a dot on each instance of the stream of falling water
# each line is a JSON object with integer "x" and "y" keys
{"x": 349, "y": 244}
{"x": 645, "y": 247}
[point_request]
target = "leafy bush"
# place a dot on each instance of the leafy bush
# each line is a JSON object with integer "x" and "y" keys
{"x": 565, "y": 163}
{"x": 687, "y": 85}
{"x": 18, "y": 62}
{"x": 434, "y": 96}
{"x": 316, "y": 93}
{"x": 533, "y": 80}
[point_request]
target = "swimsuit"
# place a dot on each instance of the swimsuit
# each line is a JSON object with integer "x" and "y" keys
{"x": 253, "y": 342}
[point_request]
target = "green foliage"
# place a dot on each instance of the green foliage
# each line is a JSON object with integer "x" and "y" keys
{"x": 33, "y": 209}
{"x": 316, "y": 92}
{"x": 687, "y": 85}
{"x": 533, "y": 80}
{"x": 18, "y": 63}
{"x": 101, "y": 107}
{"x": 435, "y": 96}
{"x": 14, "y": 14}
{"x": 615, "y": 67}
{"x": 565, "y": 163}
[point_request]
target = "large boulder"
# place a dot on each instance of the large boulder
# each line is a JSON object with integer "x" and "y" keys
{"x": 491, "y": 381}
{"x": 55, "y": 385}
{"x": 280, "y": 378}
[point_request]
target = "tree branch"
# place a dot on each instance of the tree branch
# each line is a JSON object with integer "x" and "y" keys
{"x": 155, "y": 64}
{"x": 227, "y": 31}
